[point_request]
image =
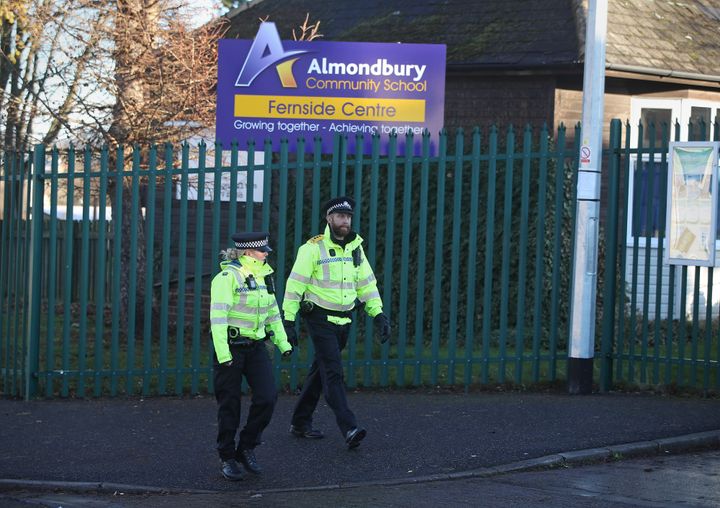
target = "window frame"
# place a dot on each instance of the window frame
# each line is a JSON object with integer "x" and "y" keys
{"x": 637, "y": 104}
{"x": 686, "y": 109}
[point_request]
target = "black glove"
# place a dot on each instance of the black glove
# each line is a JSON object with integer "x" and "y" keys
{"x": 291, "y": 333}
{"x": 382, "y": 327}
{"x": 288, "y": 353}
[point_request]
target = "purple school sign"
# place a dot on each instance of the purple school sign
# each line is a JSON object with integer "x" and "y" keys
{"x": 273, "y": 89}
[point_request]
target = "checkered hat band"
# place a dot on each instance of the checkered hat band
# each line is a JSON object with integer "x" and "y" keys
{"x": 344, "y": 205}
{"x": 251, "y": 245}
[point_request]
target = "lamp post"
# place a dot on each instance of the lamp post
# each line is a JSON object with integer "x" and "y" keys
{"x": 584, "y": 275}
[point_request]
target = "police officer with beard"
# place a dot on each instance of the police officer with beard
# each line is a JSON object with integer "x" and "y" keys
{"x": 329, "y": 277}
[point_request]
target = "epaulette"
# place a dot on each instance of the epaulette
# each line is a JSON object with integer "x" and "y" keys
{"x": 315, "y": 239}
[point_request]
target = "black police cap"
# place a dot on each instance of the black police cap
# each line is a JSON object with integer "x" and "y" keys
{"x": 253, "y": 240}
{"x": 342, "y": 204}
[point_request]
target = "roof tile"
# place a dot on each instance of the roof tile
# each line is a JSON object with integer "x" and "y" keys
{"x": 682, "y": 35}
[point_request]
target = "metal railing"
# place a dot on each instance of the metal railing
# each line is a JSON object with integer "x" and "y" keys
{"x": 471, "y": 249}
{"x": 660, "y": 325}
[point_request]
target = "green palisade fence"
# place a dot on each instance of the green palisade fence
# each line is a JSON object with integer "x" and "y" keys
{"x": 660, "y": 322}
{"x": 106, "y": 292}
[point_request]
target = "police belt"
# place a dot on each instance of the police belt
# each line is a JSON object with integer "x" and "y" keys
{"x": 307, "y": 308}
{"x": 235, "y": 339}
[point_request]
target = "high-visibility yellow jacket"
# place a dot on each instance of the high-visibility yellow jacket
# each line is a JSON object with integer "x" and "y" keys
{"x": 325, "y": 274}
{"x": 233, "y": 303}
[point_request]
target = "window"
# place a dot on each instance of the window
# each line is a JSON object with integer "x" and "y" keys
{"x": 647, "y": 185}
{"x": 657, "y": 114}
{"x": 648, "y": 174}
{"x": 657, "y": 118}
{"x": 699, "y": 125}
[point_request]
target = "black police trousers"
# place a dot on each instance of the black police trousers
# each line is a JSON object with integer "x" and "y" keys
{"x": 254, "y": 363}
{"x": 325, "y": 375}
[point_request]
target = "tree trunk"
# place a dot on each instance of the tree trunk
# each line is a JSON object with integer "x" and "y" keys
{"x": 132, "y": 261}
{"x": 135, "y": 26}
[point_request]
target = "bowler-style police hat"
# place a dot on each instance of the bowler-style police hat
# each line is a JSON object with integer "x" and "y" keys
{"x": 342, "y": 204}
{"x": 252, "y": 240}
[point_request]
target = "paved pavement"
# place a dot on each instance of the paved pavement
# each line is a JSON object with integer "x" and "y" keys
{"x": 129, "y": 449}
{"x": 689, "y": 480}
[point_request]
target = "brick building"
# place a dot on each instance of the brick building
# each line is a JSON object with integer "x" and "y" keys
{"x": 521, "y": 61}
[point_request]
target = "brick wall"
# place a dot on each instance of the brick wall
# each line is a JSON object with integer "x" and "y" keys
{"x": 173, "y": 309}
{"x": 568, "y": 109}
{"x": 484, "y": 100}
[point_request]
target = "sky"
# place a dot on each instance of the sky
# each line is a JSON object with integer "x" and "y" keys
{"x": 206, "y": 10}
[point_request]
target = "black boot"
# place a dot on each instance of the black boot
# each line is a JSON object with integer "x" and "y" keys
{"x": 308, "y": 432}
{"x": 353, "y": 437}
{"x": 247, "y": 457}
{"x": 231, "y": 470}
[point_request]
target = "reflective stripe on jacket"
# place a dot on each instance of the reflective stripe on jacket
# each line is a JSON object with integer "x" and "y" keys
{"x": 325, "y": 274}
{"x": 253, "y": 311}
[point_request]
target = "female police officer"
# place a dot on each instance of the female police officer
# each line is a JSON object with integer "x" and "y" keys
{"x": 243, "y": 314}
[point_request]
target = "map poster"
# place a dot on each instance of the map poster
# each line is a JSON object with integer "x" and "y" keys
{"x": 692, "y": 203}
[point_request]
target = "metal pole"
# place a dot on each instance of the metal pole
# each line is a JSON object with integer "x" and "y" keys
{"x": 584, "y": 278}
{"x": 34, "y": 280}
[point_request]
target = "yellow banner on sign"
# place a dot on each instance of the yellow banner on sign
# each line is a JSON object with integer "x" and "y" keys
{"x": 330, "y": 108}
